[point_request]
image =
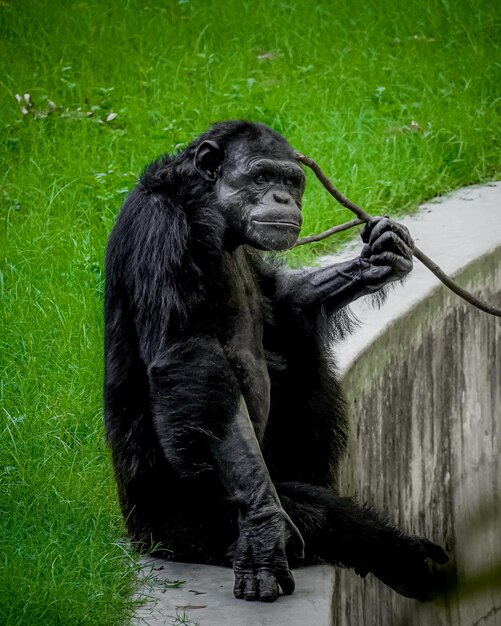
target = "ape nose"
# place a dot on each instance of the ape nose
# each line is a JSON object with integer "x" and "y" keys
{"x": 281, "y": 197}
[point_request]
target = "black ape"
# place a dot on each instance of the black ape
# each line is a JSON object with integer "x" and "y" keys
{"x": 223, "y": 412}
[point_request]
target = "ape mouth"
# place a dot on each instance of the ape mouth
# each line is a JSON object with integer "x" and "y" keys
{"x": 278, "y": 224}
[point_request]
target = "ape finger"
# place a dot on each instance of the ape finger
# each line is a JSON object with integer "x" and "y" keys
{"x": 295, "y": 545}
{"x": 384, "y": 224}
{"x": 267, "y": 585}
{"x": 239, "y": 586}
{"x": 391, "y": 242}
{"x": 250, "y": 586}
{"x": 433, "y": 551}
{"x": 366, "y": 251}
{"x": 286, "y": 581}
{"x": 401, "y": 231}
{"x": 381, "y": 224}
{"x": 400, "y": 265}
{"x": 437, "y": 553}
{"x": 366, "y": 231}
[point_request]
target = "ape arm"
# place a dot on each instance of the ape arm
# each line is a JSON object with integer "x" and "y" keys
{"x": 205, "y": 417}
{"x": 260, "y": 562}
{"x": 386, "y": 257}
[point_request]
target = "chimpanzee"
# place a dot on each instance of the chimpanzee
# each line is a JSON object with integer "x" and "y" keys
{"x": 223, "y": 410}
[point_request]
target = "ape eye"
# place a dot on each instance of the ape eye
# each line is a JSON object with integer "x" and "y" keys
{"x": 290, "y": 182}
{"x": 261, "y": 178}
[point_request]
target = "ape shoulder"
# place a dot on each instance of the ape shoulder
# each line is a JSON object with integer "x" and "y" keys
{"x": 156, "y": 175}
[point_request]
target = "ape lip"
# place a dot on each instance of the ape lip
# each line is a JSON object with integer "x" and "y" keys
{"x": 277, "y": 223}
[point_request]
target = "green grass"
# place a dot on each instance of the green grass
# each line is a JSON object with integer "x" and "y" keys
{"x": 397, "y": 101}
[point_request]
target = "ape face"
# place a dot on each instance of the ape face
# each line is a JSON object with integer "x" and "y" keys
{"x": 259, "y": 189}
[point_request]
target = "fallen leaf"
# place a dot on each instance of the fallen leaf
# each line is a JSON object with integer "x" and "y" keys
{"x": 25, "y": 103}
{"x": 269, "y": 56}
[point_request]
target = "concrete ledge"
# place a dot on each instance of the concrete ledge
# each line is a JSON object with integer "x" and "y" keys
{"x": 454, "y": 231}
{"x": 206, "y": 597}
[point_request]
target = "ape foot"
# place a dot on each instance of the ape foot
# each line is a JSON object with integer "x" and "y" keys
{"x": 408, "y": 568}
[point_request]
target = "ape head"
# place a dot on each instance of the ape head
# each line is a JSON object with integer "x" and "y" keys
{"x": 258, "y": 184}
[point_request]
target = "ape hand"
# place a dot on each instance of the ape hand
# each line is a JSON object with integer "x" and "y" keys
{"x": 260, "y": 563}
{"x": 387, "y": 254}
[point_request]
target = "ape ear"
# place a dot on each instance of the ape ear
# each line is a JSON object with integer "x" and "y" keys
{"x": 208, "y": 159}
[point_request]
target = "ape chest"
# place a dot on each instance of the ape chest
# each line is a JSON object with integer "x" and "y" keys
{"x": 244, "y": 342}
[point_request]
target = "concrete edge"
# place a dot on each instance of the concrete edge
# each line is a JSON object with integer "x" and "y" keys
{"x": 181, "y": 593}
{"x": 454, "y": 231}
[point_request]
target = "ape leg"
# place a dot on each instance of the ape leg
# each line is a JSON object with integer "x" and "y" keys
{"x": 203, "y": 425}
{"x": 339, "y": 531}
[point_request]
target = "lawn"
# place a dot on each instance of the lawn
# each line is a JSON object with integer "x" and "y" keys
{"x": 398, "y": 102}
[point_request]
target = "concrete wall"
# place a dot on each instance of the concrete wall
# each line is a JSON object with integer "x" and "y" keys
{"x": 426, "y": 450}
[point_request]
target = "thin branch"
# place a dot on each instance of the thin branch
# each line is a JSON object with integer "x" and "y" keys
{"x": 421, "y": 256}
{"x": 327, "y": 233}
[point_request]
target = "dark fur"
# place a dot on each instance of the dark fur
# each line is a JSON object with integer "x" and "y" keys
{"x": 167, "y": 293}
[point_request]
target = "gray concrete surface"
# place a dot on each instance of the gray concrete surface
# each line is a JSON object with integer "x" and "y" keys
{"x": 206, "y": 598}
{"x": 454, "y": 231}
{"x": 423, "y": 376}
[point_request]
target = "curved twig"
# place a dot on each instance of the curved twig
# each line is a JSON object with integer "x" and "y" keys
{"x": 421, "y": 256}
{"x": 327, "y": 233}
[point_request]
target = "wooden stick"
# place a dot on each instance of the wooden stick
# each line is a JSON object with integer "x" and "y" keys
{"x": 363, "y": 216}
{"x": 327, "y": 233}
